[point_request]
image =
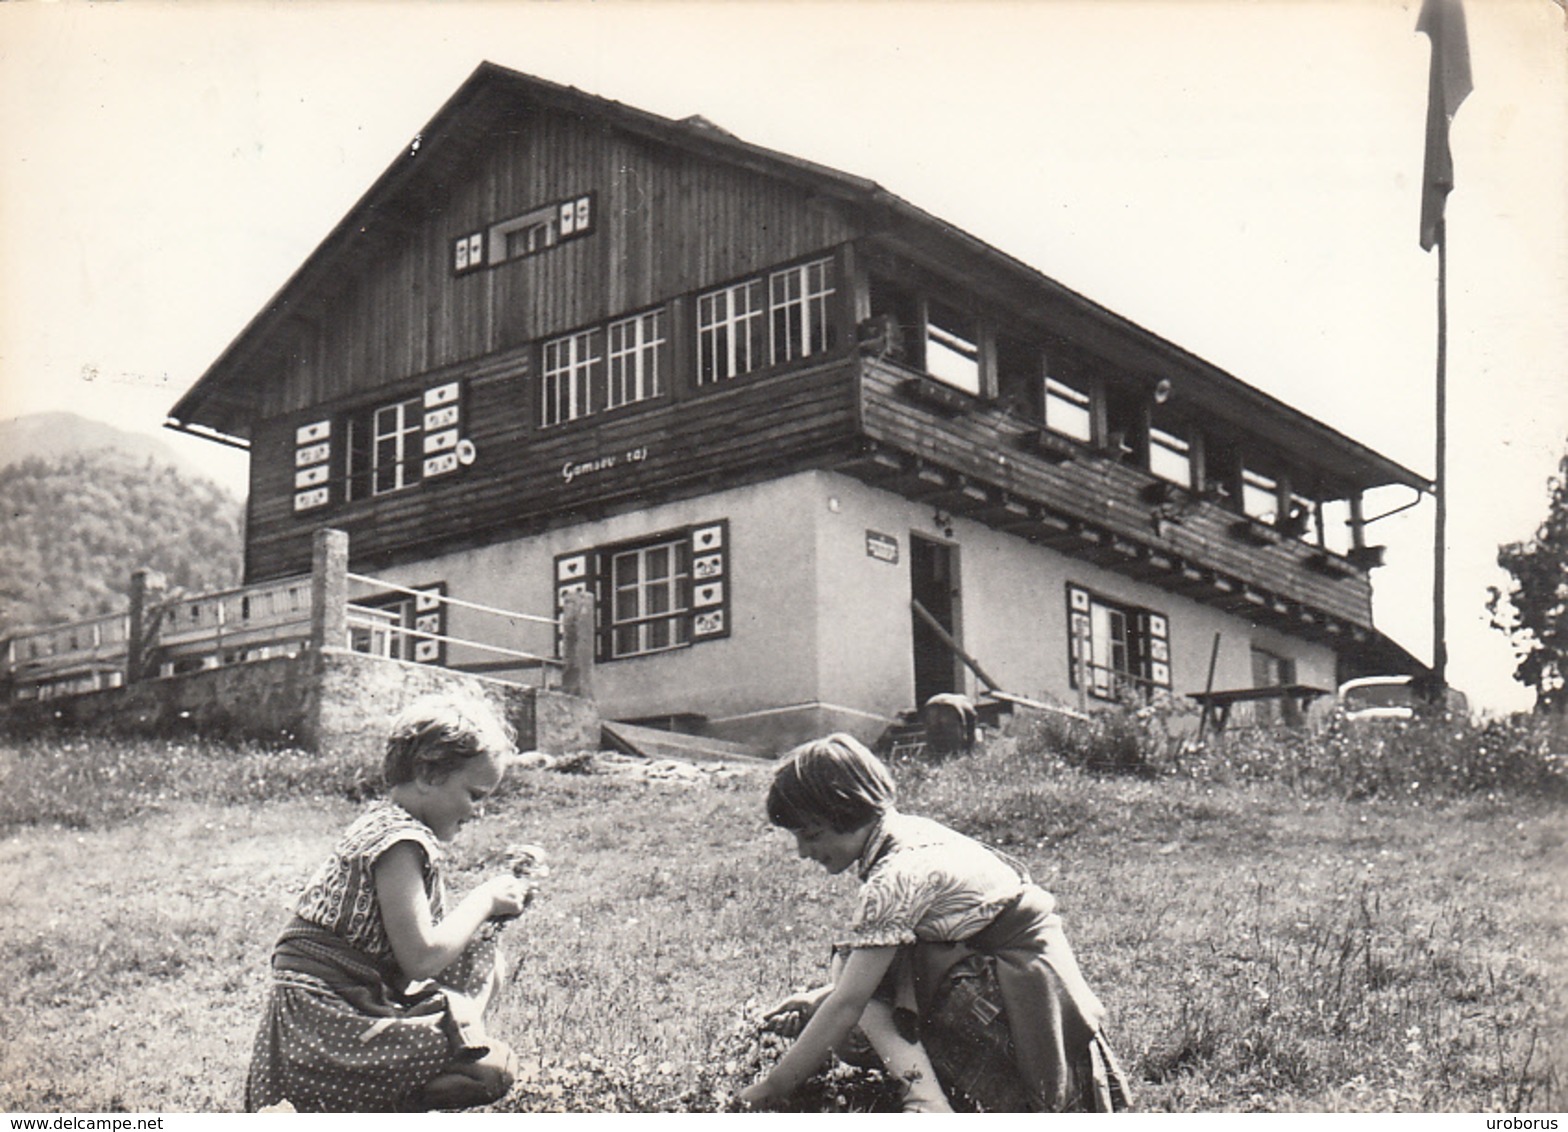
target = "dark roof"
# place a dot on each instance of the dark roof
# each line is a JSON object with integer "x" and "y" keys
{"x": 213, "y": 407}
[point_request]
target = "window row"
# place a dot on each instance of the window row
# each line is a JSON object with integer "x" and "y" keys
{"x": 781, "y": 317}
{"x": 1059, "y": 387}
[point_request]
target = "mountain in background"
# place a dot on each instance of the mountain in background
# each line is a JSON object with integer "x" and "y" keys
{"x": 83, "y": 504}
{"x": 51, "y": 435}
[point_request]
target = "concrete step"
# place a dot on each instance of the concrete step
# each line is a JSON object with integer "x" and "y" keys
{"x": 653, "y": 743}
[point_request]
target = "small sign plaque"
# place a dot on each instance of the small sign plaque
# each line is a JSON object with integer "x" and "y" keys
{"x": 884, "y": 548}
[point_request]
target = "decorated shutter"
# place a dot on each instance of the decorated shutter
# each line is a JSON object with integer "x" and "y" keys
{"x": 312, "y": 466}
{"x": 1080, "y": 636}
{"x": 442, "y": 430}
{"x": 1156, "y": 638}
{"x": 576, "y": 573}
{"x": 429, "y": 615}
{"x": 710, "y": 577}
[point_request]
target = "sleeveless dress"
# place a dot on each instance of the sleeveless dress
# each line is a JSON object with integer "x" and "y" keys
{"x": 342, "y": 1029}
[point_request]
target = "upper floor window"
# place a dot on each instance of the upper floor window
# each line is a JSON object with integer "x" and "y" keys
{"x": 1068, "y": 410}
{"x": 1170, "y": 453}
{"x": 572, "y": 368}
{"x": 729, "y": 331}
{"x": 638, "y": 359}
{"x": 746, "y": 325}
{"x": 798, "y": 308}
{"x": 1259, "y": 495}
{"x": 603, "y": 367}
{"x": 952, "y": 350}
{"x": 380, "y": 448}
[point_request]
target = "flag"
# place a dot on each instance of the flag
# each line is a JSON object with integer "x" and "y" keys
{"x": 1444, "y": 22}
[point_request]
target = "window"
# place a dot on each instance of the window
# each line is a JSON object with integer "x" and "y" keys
{"x": 1068, "y": 410}
{"x": 386, "y": 447}
{"x": 729, "y": 332}
{"x": 1270, "y": 670}
{"x": 1170, "y": 454}
{"x": 529, "y": 234}
{"x": 1116, "y": 651}
{"x": 637, "y": 351}
{"x": 572, "y": 370}
{"x": 668, "y": 591}
{"x": 952, "y": 355}
{"x": 649, "y": 589}
{"x": 745, "y": 326}
{"x": 798, "y": 308}
{"x": 394, "y": 448}
{"x": 1336, "y": 526}
{"x": 1259, "y": 495}
{"x": 389, "y": 623}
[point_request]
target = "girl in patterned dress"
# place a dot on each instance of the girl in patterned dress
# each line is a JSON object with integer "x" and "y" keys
{"x": 955, "y": 970}
{"x": 378, "y": 989}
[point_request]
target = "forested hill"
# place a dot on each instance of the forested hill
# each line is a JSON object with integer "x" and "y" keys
{"x": 74, "y": 525}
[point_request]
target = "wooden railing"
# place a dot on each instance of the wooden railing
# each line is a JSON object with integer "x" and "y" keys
{"x": 168, "y": 635}
{"x": 232, "y": 626}
{"x": 80, "y": 656}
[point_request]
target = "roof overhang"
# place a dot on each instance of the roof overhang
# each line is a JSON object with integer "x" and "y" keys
{"x": 223, "y": 401}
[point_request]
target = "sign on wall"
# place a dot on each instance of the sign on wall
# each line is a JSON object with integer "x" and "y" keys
{"x": 884, "y": 548}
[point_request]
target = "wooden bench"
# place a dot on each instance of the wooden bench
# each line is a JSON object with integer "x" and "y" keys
{"x": 1217, "y": 705}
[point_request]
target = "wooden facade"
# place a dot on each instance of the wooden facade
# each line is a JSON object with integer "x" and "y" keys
{"x": 532, "y": 223}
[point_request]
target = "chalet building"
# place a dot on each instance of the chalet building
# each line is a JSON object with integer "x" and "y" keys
{"x": 762, "y": 410}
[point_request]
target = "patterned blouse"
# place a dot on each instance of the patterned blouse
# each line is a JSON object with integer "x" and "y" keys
{"x": 923, "y": 881}
{"x": 342, "y": 895}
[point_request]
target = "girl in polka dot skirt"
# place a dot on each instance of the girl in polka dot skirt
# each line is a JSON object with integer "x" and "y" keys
{"x": 378, "y": 990}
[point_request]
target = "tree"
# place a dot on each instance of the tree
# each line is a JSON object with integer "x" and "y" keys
{"x": 1534, "y": 611}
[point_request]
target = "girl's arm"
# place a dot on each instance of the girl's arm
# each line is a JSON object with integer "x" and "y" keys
{"x": 830, "y": 1025}
{"x": 422, "y": 948}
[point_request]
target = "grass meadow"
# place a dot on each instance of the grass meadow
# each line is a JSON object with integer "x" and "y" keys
{"x": 1276, "y": 925}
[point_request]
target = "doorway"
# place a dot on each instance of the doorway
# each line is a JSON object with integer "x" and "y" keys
{"x": 933, "y": 582}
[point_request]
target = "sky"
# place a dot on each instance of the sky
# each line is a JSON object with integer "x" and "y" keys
{"x": 1241, "y": 177}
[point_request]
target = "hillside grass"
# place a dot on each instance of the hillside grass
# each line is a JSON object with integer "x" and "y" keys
{"x": 1263, "y": 943}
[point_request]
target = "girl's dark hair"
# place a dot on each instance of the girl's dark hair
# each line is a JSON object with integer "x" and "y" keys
{"x": 436, "y": 735}
{"x": 834, "y": 781}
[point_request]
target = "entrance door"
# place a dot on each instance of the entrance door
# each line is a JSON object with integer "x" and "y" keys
{"x": 933, "y": 582}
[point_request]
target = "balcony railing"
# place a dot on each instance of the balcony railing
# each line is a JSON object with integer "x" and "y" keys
{"x": 163, "y": 636}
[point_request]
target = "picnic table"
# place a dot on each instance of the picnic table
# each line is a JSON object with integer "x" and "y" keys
{"x": 1217, "y": 705}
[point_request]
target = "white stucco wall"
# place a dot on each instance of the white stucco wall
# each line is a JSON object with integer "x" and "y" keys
{"x": 820, "y": 628}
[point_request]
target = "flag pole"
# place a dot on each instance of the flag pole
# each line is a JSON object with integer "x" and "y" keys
{"x": 1443, "y": 22}
{"x": 1440, "y": 517}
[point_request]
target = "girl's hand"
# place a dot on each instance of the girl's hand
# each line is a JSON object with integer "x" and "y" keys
{"x": 508, "y": 896}
{"x": 754, "y": 1097}
{"x": 790, "y": 1016}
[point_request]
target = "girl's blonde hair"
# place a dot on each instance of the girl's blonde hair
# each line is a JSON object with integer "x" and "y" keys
{"x": 437, "y": 734}
{"x": 835, "y": 781}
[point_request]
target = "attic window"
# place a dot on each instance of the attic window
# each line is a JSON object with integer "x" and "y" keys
{"x": 529, "y": 234}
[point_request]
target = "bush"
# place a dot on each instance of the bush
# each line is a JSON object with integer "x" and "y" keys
{"x": 1425, "y": 757}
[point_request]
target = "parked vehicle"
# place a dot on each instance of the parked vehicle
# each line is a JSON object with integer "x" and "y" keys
{"x": 1391, "y": 697}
